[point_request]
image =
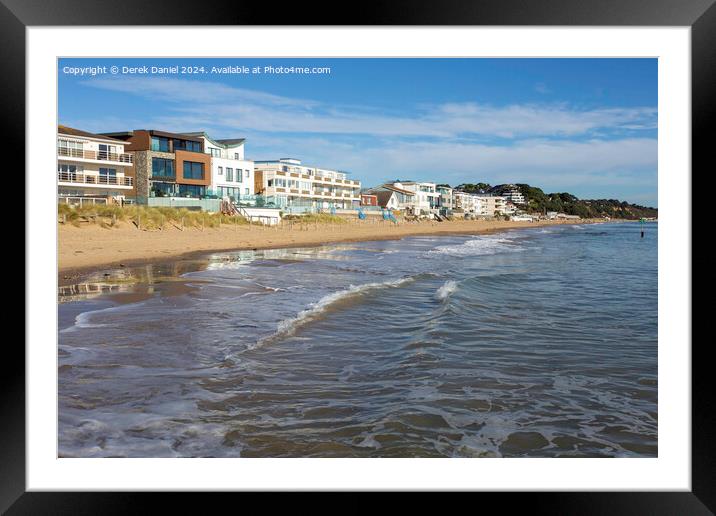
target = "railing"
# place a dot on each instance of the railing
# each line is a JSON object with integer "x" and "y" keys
{"x": 66, "y": 152}
{"x": 89, "y": 179}
{"x": 81, "y": 201}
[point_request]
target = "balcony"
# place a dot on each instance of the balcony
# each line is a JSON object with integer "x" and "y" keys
{"x": 78, "y": 178}
{"x": 64, "y": 152}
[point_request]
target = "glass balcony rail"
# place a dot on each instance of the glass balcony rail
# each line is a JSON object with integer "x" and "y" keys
{"x": 91, "y": 179}
{"x": 66, "y": 152}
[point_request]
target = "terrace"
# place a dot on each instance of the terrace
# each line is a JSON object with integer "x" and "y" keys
{"x": 100, "y": 180}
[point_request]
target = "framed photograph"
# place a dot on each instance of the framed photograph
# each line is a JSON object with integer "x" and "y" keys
{"x": 437, "y": 250}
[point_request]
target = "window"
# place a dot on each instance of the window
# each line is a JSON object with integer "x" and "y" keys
{"x": 229, "y": 174}
{"x": 195, "y": 170}
{"x": 107, "y": 152}
{"x": 162, "y": 167}
{"x": 187, "y": 145}
{"x": 216, "y": 153}
{"x": 247, "y": 173}
{"x": 160, "y": 189}
{"x": 246, "y": 191}
{"x": 236, "y": 155}
{"x": 69, "y": 148}
{"x": 107, "y": 175}
{"x": 160, "y": 144}
{"x": 221, "y": 171}
{"x": 69, "y": 168}
{"x": 239, "y": 175}
{"x": 196, "y": 191}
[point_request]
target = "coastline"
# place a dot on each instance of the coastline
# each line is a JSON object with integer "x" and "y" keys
{"x": 83, "y": 250}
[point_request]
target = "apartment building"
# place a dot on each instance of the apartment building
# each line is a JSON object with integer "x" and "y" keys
{"x": 492, "y": 204}
{"x": 166, "y": 164}
{"x": 92, "y": 167}
{"x": 287, "y": 182}
{"x": 445, "y": 200}
{"x": 468, "y": 203}
{"x": 511, "y": 193}
{"x": 232, "y": 175}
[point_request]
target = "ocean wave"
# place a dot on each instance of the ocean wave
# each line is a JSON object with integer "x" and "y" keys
{"x": 288, "y": 327}
{"x": 82, "y": 320}
{"x": 446, "y": 290}
{"x": 479, "y": 246}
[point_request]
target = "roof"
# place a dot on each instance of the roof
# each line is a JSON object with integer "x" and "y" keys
{"x": 383, "y": 197}
{"x": 63, "y": 129}
{"x": 154, "y": 132}
{"x": 232, "y": 142}
{"x": 219, "y": 143}
{"x": 396, "y": 189}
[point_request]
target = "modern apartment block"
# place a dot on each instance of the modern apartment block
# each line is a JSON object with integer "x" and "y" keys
{"x": 231, "y": 174}
{"x": 468, "y": 203}
{"x": 92, "y": 167}
{"x": 492, "y": 204}
{"x": 510, "y": 192}
{"x": 445, "y": 201}
{"x": 286, "y": 182}
{"x": 167, "y": 164}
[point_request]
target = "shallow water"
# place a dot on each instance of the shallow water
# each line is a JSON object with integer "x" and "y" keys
{"x": 529, "y": 343}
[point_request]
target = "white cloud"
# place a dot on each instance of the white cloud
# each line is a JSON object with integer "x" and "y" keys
{"x": 202, "y": 103}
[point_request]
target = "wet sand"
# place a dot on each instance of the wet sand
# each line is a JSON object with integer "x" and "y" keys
{"x": 90, "y": 248}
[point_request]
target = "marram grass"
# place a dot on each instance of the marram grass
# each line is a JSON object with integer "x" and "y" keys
{"x": 143, "y": 217}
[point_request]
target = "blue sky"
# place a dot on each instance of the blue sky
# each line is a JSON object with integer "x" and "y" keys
{"x": 585, "y": 126}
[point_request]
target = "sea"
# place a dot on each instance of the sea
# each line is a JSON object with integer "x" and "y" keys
{"x": 537, "y": 342}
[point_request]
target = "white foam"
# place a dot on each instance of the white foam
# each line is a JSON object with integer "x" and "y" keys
{"x": 481, "y": 245}
{"x": 446, "y": 290}
{"x": 83, "y": 320}
{"x": 288, "y": 327}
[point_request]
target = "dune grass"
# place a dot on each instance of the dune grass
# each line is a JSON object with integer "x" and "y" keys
{"x": 144, "y": 217}
{"x": 316, "y": 218}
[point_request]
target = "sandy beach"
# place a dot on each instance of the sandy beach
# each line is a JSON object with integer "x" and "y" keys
{"x": 91, "y": 247}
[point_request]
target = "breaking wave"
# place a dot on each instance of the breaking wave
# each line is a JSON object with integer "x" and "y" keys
{"x": 479, "y": 246}
{"x": 446, "y": 290}
{"x": 288, "y": 327}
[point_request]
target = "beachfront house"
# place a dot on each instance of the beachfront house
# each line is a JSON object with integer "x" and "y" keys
{"x": 427, "y": 198}
{"x": 232, "y": 175}
{"x": 167, "y": 166}
{"x": 368, "y": 200}
{"x": 393, "y": 197}
{"x": 92, "y": 168}
{"x": 287, "y": 183}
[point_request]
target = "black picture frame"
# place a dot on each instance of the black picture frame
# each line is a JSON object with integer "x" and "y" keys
{"x": 700, "y": 15}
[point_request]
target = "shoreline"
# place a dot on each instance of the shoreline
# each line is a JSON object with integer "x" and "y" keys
{"x": 86, "y": 250}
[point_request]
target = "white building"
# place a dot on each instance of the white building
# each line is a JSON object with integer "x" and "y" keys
{"x": 393, "y": 198}
{"x": 514, "y": 194}
{"x": 427, "y": 198}
{"x": 492, "y": 204}
{"x": 287, "y": 183}
{"x": 446, "y": 198}
{"x": 232, "y": 175}
{"x": 92, "y": 167}
{"x": 469, "y": 203}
